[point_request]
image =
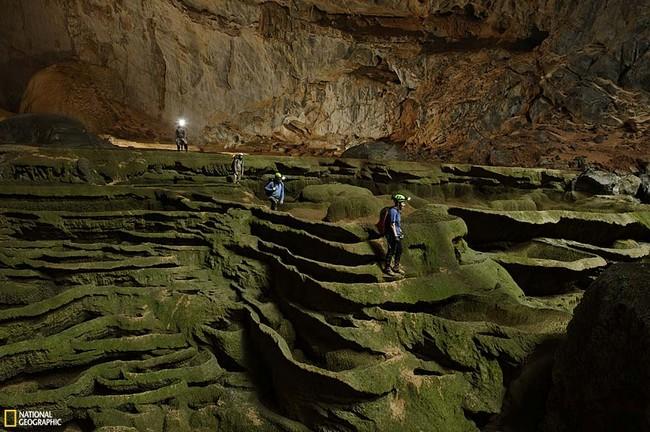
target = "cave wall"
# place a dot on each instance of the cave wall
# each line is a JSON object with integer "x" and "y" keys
{"x": 459, "y": 78}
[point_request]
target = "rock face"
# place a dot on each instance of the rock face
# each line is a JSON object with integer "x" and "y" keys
{"x": 519, "y": 83}
{"x": 380, "y": 151}
{"x": 600, "y": 377}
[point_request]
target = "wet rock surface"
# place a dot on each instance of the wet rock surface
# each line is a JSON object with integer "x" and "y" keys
{"x": 142, "y": 290}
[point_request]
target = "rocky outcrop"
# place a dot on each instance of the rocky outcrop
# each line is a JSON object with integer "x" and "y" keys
{"x": 600, "y": 372}
{"x": 92, "y": 94}
{"x": 48, "y": 130}
{"x": 607, "y": 183}
{"x": 514, "y": 83}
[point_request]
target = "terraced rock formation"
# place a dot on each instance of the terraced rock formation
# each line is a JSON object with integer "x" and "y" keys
{"x": 142, "y": 290}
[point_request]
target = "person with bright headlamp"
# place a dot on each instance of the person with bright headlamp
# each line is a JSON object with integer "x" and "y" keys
{"x": 181, "y": 135}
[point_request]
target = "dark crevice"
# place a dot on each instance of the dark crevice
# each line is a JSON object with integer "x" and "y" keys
{"x": 330, "y": 232}
{"x": 317, "y": 270}
{"x": 437, "y": 44}
{"x": 426, "y": 372}
{"x": 310, "y": 247}
{"x": 430, "y": 308}
{"x": 339, "y": 321}
{"x": 479, "y": 418}
{"x": 379, "y": 74}
{"x": 365, "y": 27}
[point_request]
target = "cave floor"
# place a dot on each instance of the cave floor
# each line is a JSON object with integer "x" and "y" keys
{"x": 144, "y": 290}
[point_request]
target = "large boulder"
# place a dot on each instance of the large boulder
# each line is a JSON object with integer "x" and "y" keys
{"x": 48, "y": 130}
{"x": 94, "y": 95}
{"x": 332, "y": 191}
{"x": 607, "y": 183}
{"x": 354, "y": 207}
{"x": 601, "y": 376}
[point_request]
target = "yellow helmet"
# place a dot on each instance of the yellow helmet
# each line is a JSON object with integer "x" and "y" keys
{"x": 398, "y": 198}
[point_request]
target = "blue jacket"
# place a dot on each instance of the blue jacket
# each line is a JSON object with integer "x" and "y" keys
{"x": 275, "y": 190}
{"x": 394, "y": 217}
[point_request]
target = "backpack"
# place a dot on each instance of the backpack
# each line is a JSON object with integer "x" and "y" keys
{"x": 383, "y": 218}
{"x": 267, "y": 191}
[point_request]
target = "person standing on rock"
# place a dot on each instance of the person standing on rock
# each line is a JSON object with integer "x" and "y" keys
{"x": 394, "y": 235}
{"x": 237, "y": 167}
{"x": 181, "y": 136}
{"x": 275, "y": 190}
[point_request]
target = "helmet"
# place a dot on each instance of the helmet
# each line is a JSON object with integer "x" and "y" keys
{"x": 398, "y": 198}
{"x": 279, "y": 176}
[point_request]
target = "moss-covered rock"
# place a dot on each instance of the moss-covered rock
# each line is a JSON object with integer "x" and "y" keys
{"x": 139, "y": 290}
{"x": 331, "y": 192}
{"x": 353, "y": 207}
{"x": 600, "y": 373}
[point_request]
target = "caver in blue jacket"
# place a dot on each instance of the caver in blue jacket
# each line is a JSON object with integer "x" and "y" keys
{"x": 275, "y": 191}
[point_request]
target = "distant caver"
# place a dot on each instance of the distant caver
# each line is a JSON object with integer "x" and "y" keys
{"x": 237, "y": 167}
{"x": 181, "y": 136}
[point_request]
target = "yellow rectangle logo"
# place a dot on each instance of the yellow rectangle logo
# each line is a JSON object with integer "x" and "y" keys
{"x": 11, "y": 418}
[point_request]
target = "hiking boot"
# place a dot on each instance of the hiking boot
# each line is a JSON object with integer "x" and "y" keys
{"x": 388, "y": 271}
{"x": 398, "y": 270}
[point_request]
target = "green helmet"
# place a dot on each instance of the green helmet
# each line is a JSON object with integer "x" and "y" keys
{"x": 278, "y": 175}
{"x": 398, "y": 198}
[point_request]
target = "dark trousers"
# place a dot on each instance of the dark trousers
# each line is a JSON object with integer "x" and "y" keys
{"x": 394, "y": 249}
{"x": 274, "y": 203}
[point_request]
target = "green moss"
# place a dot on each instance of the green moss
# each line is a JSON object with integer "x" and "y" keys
{"x": 178, "y": 299}
{"x": 353, "y": 207}
{"x": 330, "y": 192}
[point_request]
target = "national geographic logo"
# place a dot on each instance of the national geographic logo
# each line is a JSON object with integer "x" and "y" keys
{"x": 11, "y": 418}
{"x": 23, "y": 418}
